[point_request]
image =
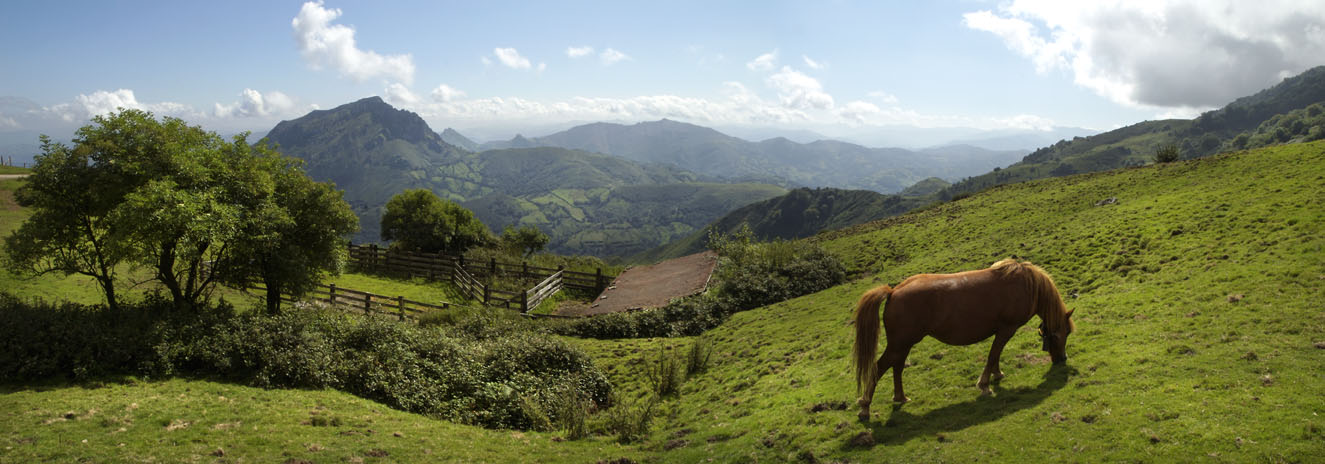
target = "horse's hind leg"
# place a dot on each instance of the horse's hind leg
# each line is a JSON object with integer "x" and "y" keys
{"x": 864, "y": 402}
{"x": 897, "y": 359}
{"x": 991, "y": 365}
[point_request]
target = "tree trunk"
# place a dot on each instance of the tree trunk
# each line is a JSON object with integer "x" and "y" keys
{"x": 273, "y": 297}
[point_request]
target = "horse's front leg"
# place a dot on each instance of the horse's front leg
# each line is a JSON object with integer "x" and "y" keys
{"x": 991, "y": 365}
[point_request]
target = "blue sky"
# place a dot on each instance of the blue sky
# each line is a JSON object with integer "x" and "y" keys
{"x": 500, "y": 67}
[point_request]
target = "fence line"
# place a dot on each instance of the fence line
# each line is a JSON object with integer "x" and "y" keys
{"x": 369, "y": 302}
{"x": 437, "y": 266}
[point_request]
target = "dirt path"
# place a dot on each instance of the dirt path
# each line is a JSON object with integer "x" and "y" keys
{"x": 650, "y": 286}
{"x": 12, "y": 176}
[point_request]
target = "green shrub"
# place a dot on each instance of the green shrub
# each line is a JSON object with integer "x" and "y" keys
{"x": 630, "y": 422}
{"x": 1167, "y": 154}
{"x": 698, "y": 360}
{"x": 664, "y": 374}
{"x": 483, "y": 370}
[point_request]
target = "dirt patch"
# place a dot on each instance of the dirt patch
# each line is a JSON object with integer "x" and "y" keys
{"x": 650, "y": 286}
{"x": 829, "y": 406}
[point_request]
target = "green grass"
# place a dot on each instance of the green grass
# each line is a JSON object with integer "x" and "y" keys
{"x": 1164, "y": 366}
{"x": 14, "y": 170}
{"x": 189, "y": 420}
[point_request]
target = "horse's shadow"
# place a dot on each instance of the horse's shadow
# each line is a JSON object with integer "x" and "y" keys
{"x": 902, "y": 426}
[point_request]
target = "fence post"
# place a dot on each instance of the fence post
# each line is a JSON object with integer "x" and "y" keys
{"x": 331, "y": 295}
{"x": 524, "y": 269}
{"x": 598, "y": 279}
{"x": 367, "y": 300}
{"x": 492, "y": 268}
{"x": 524, "y": 301}
{"x": 487, "y": 294}
{"x": 400, "y": 303}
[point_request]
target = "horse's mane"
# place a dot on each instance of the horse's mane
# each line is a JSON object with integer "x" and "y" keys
{"x": 1048, "y": 304}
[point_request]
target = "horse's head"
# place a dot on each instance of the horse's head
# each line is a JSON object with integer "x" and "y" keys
{"x": 1055, "y": 341}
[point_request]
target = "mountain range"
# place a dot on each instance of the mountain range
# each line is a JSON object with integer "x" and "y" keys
{"x": 822, "y": 163}
{"x": 587, "y": 203}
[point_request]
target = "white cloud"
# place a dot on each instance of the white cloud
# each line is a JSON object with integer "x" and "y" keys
{"x": 884, "y": 97}
{"x": 612, "y": 56}
{"x": 813, "y": 64}
{"x": 103, "y": 102}
{"x": 1183, "y": 55}
{"x": 446, "y": 93}
{"x": 332, "y": 45}
{"x": 253, "y": 103}
{"x": 859, "y": 112}
{"x": 1027, "y": 122}
{"x": 577, "y": 52}
{"x": 511, "y": 58}
{"x": 8, "y": 123}
{"x": 799, "y": 91}
{"x": 765, "y": 62}
{"x": 400, "y": 95}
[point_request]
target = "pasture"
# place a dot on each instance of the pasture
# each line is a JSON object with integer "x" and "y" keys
{"x": 1200, "y": 337}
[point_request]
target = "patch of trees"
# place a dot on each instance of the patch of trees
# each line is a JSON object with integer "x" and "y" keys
{"x": 188, "y": 206}
{"x": 417, "y": 220}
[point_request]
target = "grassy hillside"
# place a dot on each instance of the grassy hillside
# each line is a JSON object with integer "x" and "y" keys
{"x": 1213, "y": 132}
{"x": 1200, "y": 333}
{"x": 800, "y": 213}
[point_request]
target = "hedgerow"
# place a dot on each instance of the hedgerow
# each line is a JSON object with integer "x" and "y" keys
{"x": 492, "y": 375}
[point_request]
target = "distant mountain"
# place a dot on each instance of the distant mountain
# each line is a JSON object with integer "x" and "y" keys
{"x": 800, "y": 213}
{"x": 586, "y": 202}
{"x": 816, "y": 164}
{"x": 925, "y": 187}
{"x": 1022, "y": 139}
{"x": 1213, "y": 132}
{"x": 455, "y": 138}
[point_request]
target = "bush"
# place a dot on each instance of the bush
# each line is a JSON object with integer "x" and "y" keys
{"x": 665, "y": 375}
{"x": 698, "y": 360}
{"x": 1167, "y": 154}
{"x": 502, "y": 375}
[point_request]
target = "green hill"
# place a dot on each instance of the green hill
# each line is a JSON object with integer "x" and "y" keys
{"x": 1213, "y": 132}
{"x": 587, "y": 203}
{"x": 1196, "y": 294}
{"x": 800, "y": 213}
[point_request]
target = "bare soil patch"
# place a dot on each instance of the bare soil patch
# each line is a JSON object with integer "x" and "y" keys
{"x": 650, "y": 286}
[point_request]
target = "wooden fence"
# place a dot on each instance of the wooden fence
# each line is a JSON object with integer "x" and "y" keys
{"x": 466, "y": 275}
{"x": 369, "y": 303}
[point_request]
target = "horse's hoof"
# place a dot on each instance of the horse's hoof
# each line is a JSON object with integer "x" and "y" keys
{"x": 998, "y": 376}
{"x": 986, "y": 392}
{"x": 901, "y": 400}
{"x": 864, "y": 416}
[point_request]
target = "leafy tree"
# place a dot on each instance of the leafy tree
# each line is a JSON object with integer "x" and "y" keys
{"x": 526, "y": 240}
{"x": 161, "y": 195}
{"x": 417, "y": 220}
{"x": 296, "y": 236}
{"x": 1166, "y": 154}
{"x": 69, "y": 231}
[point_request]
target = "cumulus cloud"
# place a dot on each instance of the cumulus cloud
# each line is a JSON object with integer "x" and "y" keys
{"x": 103, "y": 102}
{"x": 323, "y": 44}
{"x": 612, "y": 56}
{"x": 1027, "y": 122}
{"x": 859, "y": 112}
{"x": 799, "y": 91}
{"x": 884, "y": 97}
{"x": 400, "y": 95}
{"x": 511, "y": 58}
{"x": 446, "y": 93}
{"x": 765, "y": 62}
{"x": 1181, "y": 55}
{"x": 811, "y": 63}
{"x": 577, "y": 52}
{"x": 253, "y": 103}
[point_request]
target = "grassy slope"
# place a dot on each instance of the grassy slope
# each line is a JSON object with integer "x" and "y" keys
{"x": 1163, "y": 367}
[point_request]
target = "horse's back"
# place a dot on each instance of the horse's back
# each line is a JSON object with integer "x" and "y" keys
{"x": 957, "y": 309}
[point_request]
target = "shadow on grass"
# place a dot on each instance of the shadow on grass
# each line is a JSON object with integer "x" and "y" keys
{"x": 902, "y": 426}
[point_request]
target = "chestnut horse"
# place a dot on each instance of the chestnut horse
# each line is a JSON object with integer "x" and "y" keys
{"x": 957, "y": 309}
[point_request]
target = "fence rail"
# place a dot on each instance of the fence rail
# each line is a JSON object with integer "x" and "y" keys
{"x": 368, "y": 302}
{"x": 466, "y": 275}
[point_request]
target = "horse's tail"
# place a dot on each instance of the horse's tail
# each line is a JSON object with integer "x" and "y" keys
{"x": 867, "y": 336}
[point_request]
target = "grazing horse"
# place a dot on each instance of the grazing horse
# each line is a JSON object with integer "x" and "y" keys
{"x": 957, "y": 309}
